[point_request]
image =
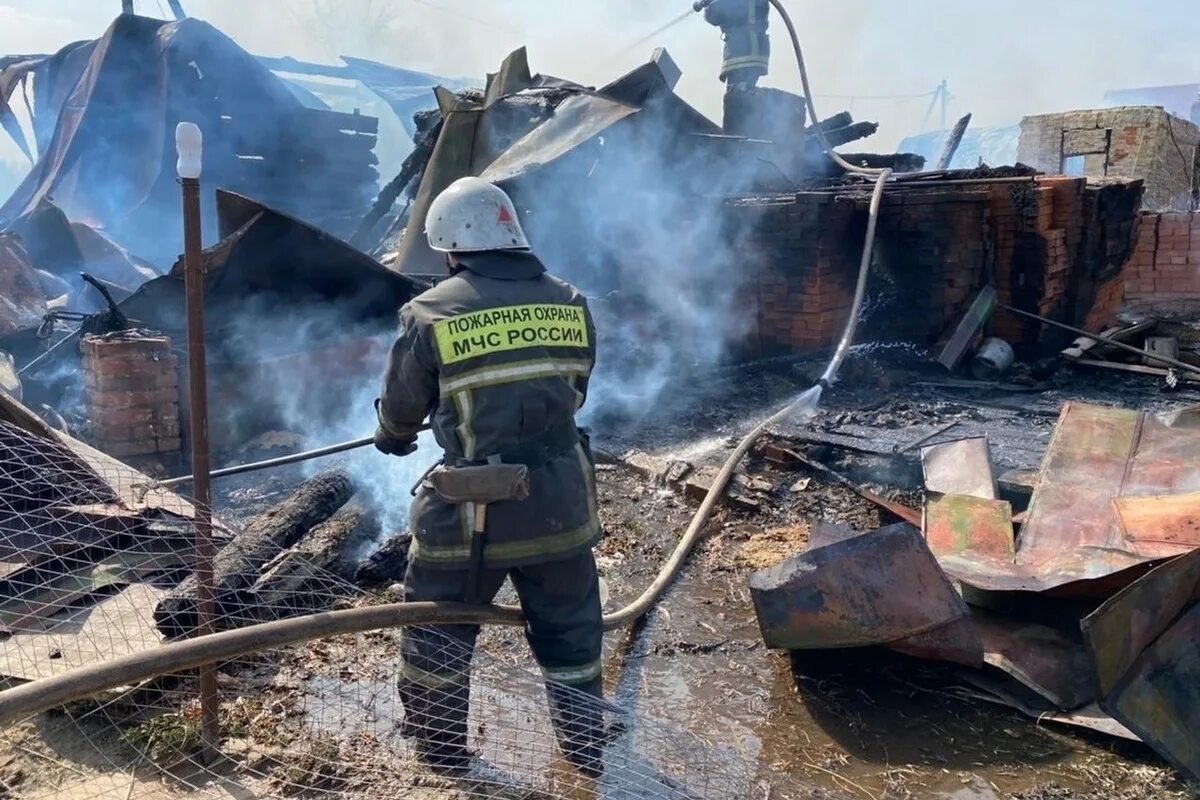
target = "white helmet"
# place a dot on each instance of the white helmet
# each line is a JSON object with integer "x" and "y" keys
{"x": 471, "y": 216}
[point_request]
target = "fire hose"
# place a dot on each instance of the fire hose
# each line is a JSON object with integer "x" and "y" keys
{"x": 47, "y": 693}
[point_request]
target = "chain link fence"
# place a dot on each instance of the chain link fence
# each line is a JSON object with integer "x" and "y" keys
{"x": 96, "y": 563}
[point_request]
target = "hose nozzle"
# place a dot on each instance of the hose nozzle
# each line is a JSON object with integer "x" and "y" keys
{"x": 700, "y": 5}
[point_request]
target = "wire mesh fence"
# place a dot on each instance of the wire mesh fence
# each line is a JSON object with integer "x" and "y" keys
{"x": 97, "y": 563}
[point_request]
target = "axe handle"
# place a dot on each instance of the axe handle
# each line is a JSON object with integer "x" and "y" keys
{"x": 475, "y": 569}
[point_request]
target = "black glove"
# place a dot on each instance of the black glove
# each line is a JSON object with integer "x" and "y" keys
{"x": 391, "y": 446}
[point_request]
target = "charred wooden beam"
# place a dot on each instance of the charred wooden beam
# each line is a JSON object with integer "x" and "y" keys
{"x": 952, "y": 142}
{"x": 839, "y": 120}
{"x": 898, "y": 162}
{"x": 851, "y": 133}
{"x": 413, "y": 166}
{"x": 241, "y": 562}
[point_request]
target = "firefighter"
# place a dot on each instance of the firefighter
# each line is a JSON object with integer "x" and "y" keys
{"x": 743, "y": 24}
{"x": 498, "y": 356}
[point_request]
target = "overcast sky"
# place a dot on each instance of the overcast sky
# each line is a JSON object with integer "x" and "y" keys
{"x": 1002, "y": 59}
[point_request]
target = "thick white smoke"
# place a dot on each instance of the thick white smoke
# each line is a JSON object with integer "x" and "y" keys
{"x": 1002, "y": 60}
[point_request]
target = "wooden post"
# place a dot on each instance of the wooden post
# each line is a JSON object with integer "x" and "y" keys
{"x": 188, "y": 142}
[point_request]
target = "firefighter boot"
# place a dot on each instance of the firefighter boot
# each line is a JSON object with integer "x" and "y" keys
{"x": 578, "y": 719}
{"x": 436, "y": 721}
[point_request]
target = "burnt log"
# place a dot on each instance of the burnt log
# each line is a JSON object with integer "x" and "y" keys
{"x": 839, "y": 120}
{"x": 239, "y": 564}
{"x": 316, "y": 571}
{"x": 851, "y": 133}
{"x": 387, "y": 564}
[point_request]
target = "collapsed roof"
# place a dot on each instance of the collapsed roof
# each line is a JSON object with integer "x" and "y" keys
{"x": 104, "y": 114}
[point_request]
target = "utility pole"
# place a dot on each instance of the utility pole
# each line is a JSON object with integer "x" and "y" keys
{"x": 189, "y": 145}
{"x": 944, "y": 91}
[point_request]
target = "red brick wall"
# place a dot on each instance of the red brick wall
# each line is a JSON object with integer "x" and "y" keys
{"x": 132, "y": 394}
{"x": 1054, "y": 246}
{"x": 1165, "y": 271}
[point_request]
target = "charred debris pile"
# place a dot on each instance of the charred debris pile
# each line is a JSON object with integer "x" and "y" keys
{"x": 701, "y": 247}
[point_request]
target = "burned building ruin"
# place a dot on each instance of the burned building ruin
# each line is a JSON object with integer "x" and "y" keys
{"x": 1136, "y": 142}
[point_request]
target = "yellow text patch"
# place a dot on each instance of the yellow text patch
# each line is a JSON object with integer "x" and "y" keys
{"x": 498, "y": 330}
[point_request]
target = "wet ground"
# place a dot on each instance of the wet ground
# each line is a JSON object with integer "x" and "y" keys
{"x": 855, "y": 723}
{"x": 845, "y": 724}
{"x": 867, "y": 724}
{"x": 863, "y": 723}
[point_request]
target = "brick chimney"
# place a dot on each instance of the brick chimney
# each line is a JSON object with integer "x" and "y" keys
{"x": 133, "y": 395}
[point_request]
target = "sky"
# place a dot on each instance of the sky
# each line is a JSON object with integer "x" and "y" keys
{"x": 1001, "y": 60}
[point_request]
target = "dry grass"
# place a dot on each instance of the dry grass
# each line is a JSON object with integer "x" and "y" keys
{"x": 770, "y": 547}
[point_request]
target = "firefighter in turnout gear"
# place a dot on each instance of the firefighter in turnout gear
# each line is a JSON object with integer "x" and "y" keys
{"x": 743, "y": 24}
{"x": 498, "y": 356}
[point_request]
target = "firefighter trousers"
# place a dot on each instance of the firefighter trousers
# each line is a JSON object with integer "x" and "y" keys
{"x": 561, "y": 603}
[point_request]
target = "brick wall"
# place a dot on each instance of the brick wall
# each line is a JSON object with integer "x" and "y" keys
{"x": 1054, "y": 246}
{"x": 1165, "y": 272}
{"x": 132, "y": 388}
{"x": 1131, "y": 142}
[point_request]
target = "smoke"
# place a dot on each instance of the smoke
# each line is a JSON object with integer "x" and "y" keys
{"x": 636, "y": 222}
{"x": 1002, "y": 61}
{"x": 632, "y": 226}
{"x": 997, "y": 60}
{"x": 317, "y": 373}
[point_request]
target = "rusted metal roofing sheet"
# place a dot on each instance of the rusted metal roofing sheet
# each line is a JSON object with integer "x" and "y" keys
{"x": 1145, "y": 643}
{"x": 1158, "y": 523}
{"x": 958, "y": 527}
{"x": 1041, "y": 658}
{"x": 1073, "y": 532}
{"x": 846, "y": 594}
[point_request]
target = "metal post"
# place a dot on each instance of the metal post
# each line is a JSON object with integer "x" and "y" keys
{"x": 188, "y": 143}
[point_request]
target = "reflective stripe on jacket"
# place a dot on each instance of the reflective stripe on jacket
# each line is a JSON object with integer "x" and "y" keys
{"x": 498, "y": 355}
{"x": 744, "y": 24}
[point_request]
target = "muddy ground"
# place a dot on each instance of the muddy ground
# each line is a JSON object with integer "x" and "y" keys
{"x": 847, "y": 724}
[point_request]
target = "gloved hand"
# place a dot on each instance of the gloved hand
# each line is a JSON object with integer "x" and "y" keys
{"x": 391, "y": 446}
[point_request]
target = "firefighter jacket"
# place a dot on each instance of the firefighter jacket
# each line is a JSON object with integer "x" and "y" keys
{"x": 744, "y": 24}
{"x": 499, "y": 356}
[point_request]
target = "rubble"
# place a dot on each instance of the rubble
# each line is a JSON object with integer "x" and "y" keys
{"x": 126, "y": 91}
{"x": 72, "y": 533}
{"x": 1029, "y": 584}
{"x": 1115, "y": 494}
